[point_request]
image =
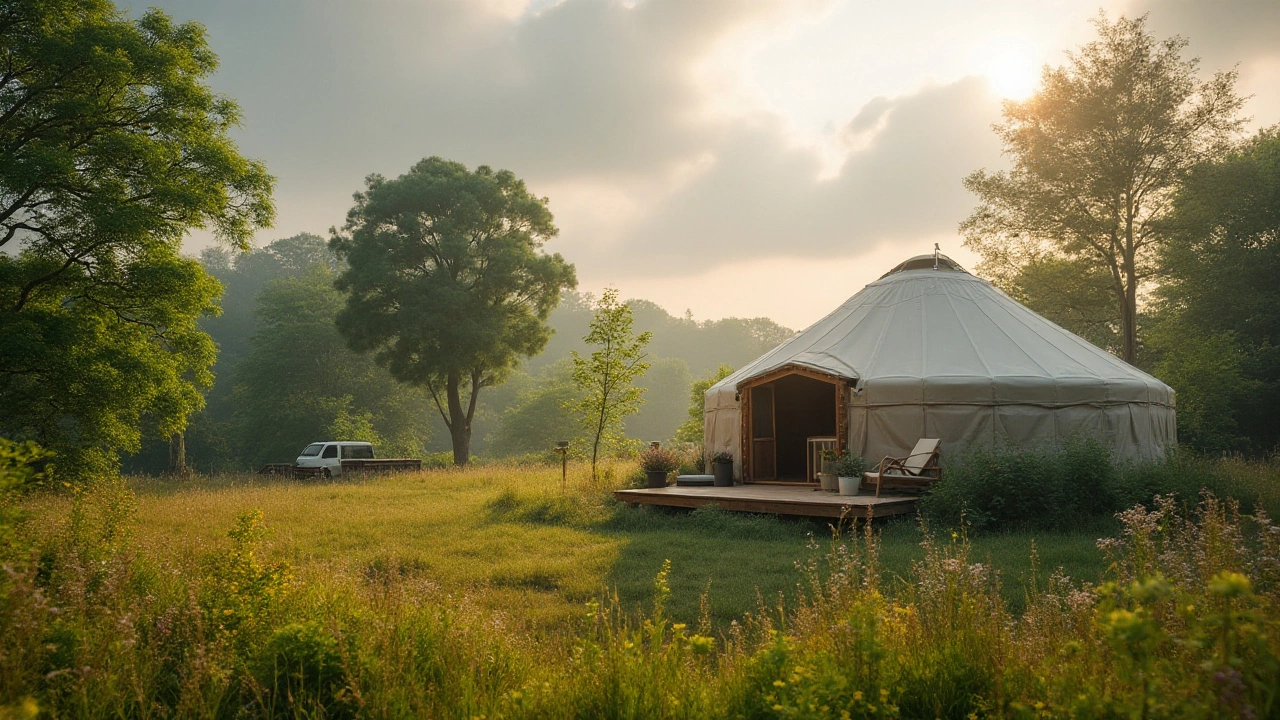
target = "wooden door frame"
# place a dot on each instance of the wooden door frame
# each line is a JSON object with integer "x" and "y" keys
{"x": 745, "y": 445}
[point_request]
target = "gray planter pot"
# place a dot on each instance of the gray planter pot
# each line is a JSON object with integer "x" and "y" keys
{"x": 656, "y": 479}
{"x": 723, "y": 472}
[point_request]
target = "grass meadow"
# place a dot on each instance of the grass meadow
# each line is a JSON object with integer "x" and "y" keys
{"x": 496, "y": 592}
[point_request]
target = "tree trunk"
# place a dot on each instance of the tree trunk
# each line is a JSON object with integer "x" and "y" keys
{"x": 178, "y": 454}
{"x": 459, "y": 422}
{"x": 1129, "y": 313}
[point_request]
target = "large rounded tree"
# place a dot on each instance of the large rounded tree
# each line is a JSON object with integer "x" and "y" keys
{"x": 447, "y": 282}
{"x": 112, "y": 148}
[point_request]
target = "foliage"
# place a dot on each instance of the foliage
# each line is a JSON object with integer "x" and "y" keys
{"x": 694, "y": 428}
{"x": 447, "y": 285}
{"x": 658, "y": 459}
{"x": 722, "y": 457}
{"x": 19, "y": 470}
{"x": 1218, "y": 319}
{"x": 299, "y": 383}
{"x": 849, "y": 465}
{"x": 1097, "y": 154}
{"x": 1007, "y": 487}
{"x": 539, "y": 417}
{"x": 1183, "y": 623}
{"x": 606, "y": 377}
{"x": 114, "y": 148}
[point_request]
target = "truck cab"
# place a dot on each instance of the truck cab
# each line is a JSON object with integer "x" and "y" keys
{"x": 328, "y": 455}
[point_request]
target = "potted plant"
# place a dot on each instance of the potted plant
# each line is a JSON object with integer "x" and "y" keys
{"x": 658, "y": 462}
{"x": 722, "y": 469}
{"x": 827, "y": 473}
{"x": 849, "y": 470}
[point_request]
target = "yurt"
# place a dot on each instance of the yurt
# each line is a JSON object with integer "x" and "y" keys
{"x": 930, "y": 351}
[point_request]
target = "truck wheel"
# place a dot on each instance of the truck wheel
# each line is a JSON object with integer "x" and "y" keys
{"x": 324, "y": 473}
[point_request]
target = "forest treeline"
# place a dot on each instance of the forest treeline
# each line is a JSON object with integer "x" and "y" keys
{"x": 284, "y": 377}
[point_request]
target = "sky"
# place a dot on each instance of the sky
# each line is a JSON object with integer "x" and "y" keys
{"x": 724, "y": 157}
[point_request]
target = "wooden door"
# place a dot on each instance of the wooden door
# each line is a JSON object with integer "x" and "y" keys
{"x": 764, "y": 451}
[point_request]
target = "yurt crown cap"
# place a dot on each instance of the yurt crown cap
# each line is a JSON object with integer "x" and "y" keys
{"x": 932, "y": 261}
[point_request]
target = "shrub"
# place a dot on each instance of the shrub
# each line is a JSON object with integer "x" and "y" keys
{"x": 301, "y": 672}
{"x": 658, "y": 459}
{"x": 1004, "y": 488}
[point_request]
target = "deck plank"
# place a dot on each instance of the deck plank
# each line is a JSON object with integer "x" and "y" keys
{"x": 772, "y": 499}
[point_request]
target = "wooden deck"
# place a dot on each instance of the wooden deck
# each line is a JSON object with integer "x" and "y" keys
{"x": 801, "y": 499}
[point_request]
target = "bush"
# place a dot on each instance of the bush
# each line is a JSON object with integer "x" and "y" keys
{"x": 658, "y": 459}
{"x": 301, "y": 673}
{"x": 1004, "y": 488}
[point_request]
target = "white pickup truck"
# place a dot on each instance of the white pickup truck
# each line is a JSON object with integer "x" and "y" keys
{"x": 333, "y": 458}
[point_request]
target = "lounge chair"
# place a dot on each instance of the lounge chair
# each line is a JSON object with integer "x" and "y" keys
{"x": 913, "y": 472}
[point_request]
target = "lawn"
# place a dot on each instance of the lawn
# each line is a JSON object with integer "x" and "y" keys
{"x": 507, "y": 537}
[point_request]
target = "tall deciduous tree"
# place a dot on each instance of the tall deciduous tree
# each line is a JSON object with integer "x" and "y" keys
{"x": 447, "y": 282}
{"x": 1218, "y": 319}
{"x": 1097, "y": 154}
{"x": 111, "y": 149}
{"x": 606, "y": 377}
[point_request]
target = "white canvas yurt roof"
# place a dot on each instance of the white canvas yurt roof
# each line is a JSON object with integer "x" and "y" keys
{"x": 929, "y": 350}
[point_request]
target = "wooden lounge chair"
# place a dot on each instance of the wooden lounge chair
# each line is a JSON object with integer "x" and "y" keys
{"x": 913, "y": 472}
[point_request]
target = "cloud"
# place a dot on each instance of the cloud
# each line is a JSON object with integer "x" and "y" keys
{"x": 654, "y": 165}
{"x": 1222, "y": 32}
{"x": 762, "y": 198}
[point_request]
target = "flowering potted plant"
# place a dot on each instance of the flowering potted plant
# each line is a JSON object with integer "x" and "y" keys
{"x": 849, "y": 470}
{"x": 658, "y": 462}
{"x": 722, "y": 469}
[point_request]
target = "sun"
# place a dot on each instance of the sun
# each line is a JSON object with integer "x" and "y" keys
{"x": 1012, "y": 75}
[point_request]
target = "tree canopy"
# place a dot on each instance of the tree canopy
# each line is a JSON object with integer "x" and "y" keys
{"x": 1097, "y": 154}
{"x": 1218, "y": 307}
{"x": 299, "y": 383}
{"x": 606, "y": 377}
{"x": 447, "y": 283}
{"x": 112, "y": 148}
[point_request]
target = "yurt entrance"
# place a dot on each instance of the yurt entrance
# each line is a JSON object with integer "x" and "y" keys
{"x": 788, "y": 417}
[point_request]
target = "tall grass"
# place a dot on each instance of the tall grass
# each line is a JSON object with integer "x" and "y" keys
{"x": 97, "y": 619}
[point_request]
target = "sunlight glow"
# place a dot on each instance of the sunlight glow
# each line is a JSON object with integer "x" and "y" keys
{"x": 1012, "y": 75}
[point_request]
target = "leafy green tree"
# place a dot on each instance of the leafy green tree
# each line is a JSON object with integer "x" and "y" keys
{"x": 447, "y": 285}
{"x": 606, "y": 377}
{"x": 1218, "y": 304}
{"x": 111, "y": 149}
{"x": 694, "y": 429}
{"x": 1097, "y": 155}
{"x": 540, "y": 415}
{"x": 299, "y": 383}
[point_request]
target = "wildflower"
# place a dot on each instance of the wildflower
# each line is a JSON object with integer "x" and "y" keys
{"x": 779, "y": 683}
{"x": 857, "y": 695}
{"x": 1230, "y": 584}
{"x": 701, "y": 644}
